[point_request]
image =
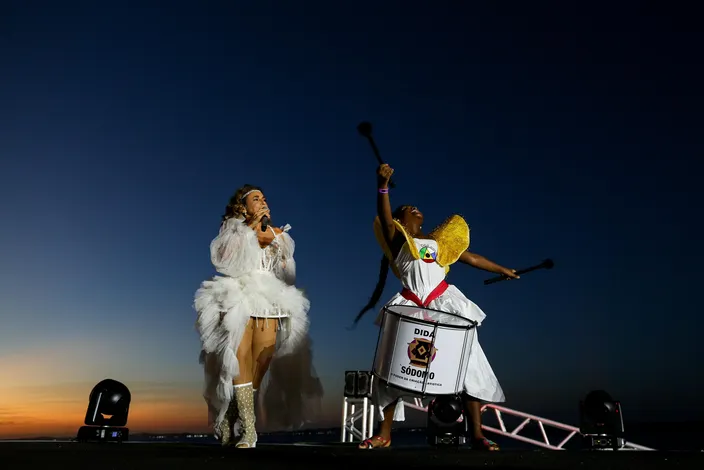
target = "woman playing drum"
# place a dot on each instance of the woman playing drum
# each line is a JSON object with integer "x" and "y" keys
{"x": 421, "y": 262}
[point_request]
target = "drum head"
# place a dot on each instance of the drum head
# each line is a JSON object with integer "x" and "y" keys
{"x": 430, "y": 316}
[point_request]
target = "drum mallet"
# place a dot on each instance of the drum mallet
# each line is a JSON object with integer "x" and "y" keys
{"x": 546, "y": 264}
{"x": 365, "y": 130}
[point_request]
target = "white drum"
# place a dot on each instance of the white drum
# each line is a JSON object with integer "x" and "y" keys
{"x": 423, "y": 351}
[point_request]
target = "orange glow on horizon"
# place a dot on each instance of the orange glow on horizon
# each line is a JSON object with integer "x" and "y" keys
{"x": 38, "y": 399}
{"x": 59, "y": 410}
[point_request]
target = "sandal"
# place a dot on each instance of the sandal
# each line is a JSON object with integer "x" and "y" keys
{"x": 484, "y": 444}
{"x": 371, "y": 443}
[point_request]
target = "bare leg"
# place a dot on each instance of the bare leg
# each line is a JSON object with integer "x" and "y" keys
{"x": 385, "y": 426}
{"x": 244, "y": 355}
{"x": 244, "y": 396}
{"x": 474, "y": 408}
{"x": 244, "y": 358}
{"x": 383, "y": 438}
{"x": 263, "y": 347}
{"x": 479, "y": 441}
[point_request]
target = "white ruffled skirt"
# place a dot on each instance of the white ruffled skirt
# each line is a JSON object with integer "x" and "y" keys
{"x": 224, "y": 305}
{"x": 480, "y": 381}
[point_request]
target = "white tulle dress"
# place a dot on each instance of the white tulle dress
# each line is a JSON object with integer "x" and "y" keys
{"x": 421, "y": 275}
{"x": 257, "y": 283}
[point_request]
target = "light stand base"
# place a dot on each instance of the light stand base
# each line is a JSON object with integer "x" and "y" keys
{"x": 445, "y": 430}
{"x": 447, "y": 440}
{"x": 602, "y": 442}
{"x": 102, "y": 434}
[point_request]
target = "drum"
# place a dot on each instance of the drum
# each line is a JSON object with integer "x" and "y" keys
{"x": 423, "y": 351}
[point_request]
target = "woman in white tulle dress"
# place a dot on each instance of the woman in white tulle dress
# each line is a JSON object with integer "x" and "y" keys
{"x": 248, "y": 315}
{"x": 421, "y": 262}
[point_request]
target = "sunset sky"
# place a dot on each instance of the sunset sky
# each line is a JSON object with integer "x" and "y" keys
{"x": 126, "y": 127}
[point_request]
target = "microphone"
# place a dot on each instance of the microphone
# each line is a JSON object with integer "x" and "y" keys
{"x": 265, "y": 223}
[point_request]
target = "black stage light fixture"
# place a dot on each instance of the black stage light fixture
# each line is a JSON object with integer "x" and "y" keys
{"x": 443, "y": 428}
{"x": 106, "y": 416}
{"x": 350, "y": 383}
{"x": 601, "y": 421}
{"x": 358, "y": 384}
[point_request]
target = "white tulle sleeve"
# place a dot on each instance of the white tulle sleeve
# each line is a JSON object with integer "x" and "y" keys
{"x": 286, "y": 267}
{"x": 235, "y": 251}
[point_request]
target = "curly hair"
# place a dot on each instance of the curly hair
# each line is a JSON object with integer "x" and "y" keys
{"x": 236, "y": 208}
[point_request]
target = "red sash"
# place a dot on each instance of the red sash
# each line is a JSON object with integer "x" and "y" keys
{"x": 437, "y": 292}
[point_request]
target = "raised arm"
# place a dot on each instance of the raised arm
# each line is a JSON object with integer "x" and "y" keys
{"x": 480, "y": 262}
{"x": 383, "y": 204}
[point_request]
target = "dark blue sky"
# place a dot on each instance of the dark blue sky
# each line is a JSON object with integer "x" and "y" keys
{"x": 125, "y": 128}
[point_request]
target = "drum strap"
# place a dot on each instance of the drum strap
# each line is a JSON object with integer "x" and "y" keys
{"x": 437, "y": 292}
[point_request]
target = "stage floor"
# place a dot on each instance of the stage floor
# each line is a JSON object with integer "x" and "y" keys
{"x": 137, "y": 456}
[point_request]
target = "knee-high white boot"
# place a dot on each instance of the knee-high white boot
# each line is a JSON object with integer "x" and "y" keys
{"x": 244, "y": 395}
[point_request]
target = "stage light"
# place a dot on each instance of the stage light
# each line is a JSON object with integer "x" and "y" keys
{"x": 601, "y": 421}
{"x": 106, "y": 416}
{"x": 443, "y": 428}
{"x": 358, "y": 384}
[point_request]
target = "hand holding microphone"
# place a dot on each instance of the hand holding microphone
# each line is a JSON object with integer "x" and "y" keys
{"x": 262, "y": 215}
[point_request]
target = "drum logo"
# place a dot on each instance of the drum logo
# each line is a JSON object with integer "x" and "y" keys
{"x": 421, "y": 352}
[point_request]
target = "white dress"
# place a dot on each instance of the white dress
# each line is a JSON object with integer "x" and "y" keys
{"x": 422, "y": 277}
{"x": 255, "y": 282}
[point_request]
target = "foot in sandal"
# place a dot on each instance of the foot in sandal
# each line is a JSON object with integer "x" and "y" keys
{"x": 375, "y": 442}
{"x": 484, "y": 444}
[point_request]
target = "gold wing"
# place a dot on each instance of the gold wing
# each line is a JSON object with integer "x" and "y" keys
{"x": 452, "y": 237}
{"x": 379, "y": 234}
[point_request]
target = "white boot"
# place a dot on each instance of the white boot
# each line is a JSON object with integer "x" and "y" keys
{"x": 244, "y": 395}
{"x": 225, "y": 428}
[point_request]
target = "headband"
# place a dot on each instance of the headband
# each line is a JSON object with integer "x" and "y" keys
{"x": 247, "y": 194}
